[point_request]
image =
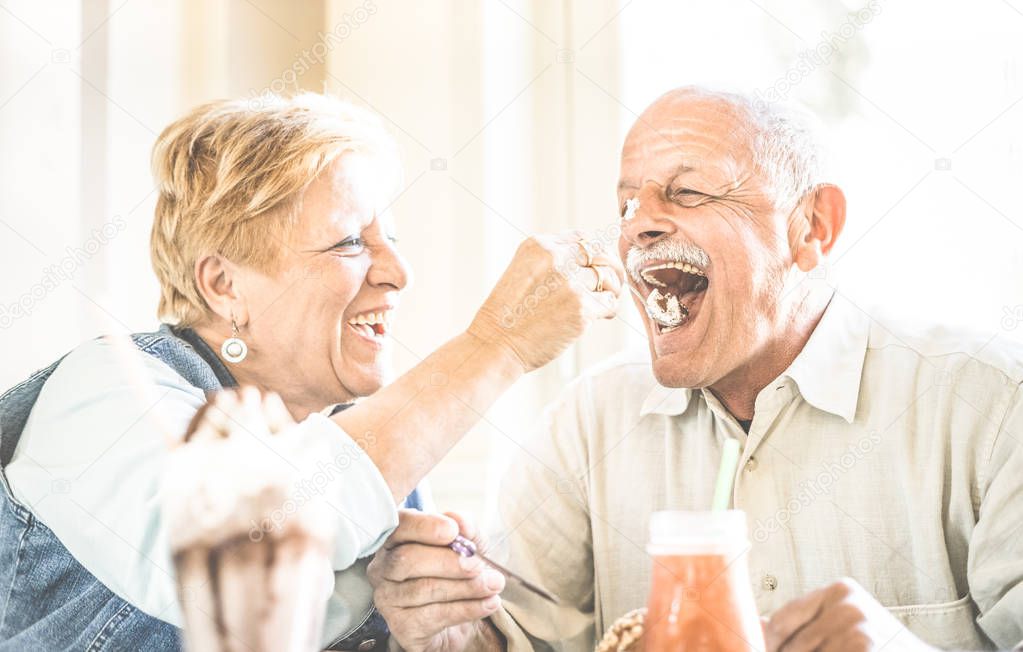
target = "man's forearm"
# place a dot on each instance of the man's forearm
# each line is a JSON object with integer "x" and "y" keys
{"x": 408, "y": 426}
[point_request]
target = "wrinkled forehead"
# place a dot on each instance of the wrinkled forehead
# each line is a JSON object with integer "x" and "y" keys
{"x": 703, "y": 135}
{"x": 354, "y": 192}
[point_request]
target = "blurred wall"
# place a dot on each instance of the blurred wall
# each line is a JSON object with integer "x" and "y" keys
{"x": 496, "y": 132}
{"x": 510, "y": 115}
{"x": 482, "y": 98}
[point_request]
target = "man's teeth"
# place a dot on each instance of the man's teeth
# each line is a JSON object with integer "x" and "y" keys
{"x": 685, "y": 267}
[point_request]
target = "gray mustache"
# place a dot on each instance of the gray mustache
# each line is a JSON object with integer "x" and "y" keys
{"x": 664, "y": 250}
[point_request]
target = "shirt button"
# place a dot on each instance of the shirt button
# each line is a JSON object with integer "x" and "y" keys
{"x": 367, "y": 645}
{"x": 751, "y": 464}
{"x": 769, "y": 582}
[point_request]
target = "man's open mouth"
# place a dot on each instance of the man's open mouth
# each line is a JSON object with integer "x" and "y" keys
{"x": 674, "y": 293}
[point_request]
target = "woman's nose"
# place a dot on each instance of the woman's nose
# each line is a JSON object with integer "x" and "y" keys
{"x": 651, "y": 220}
{"x": 389, "y": 268}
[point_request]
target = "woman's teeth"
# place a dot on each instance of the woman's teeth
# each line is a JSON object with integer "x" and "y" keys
{"x": 372, "y": 324}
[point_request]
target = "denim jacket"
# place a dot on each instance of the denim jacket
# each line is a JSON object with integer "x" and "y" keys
{"x": 49, "y": 601}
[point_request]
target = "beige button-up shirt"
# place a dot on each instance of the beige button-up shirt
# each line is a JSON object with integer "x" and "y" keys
{"x": 883, "y": 453}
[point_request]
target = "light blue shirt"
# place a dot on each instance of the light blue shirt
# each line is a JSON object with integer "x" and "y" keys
{"x": 90, "y": 460}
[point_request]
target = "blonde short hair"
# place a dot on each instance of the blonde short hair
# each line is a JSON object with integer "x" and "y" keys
{"x": 231, "y": 176}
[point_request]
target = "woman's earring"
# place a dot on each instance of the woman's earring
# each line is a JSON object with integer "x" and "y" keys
{"x": 234, "y": 349}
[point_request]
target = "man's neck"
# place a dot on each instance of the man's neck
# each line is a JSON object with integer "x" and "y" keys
{"x": 738, "y": 390}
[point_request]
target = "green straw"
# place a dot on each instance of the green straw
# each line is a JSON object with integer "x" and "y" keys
{"x": 726, "y": 476}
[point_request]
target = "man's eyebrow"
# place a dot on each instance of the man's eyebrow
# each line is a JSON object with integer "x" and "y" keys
{"x": 682, "y": 169}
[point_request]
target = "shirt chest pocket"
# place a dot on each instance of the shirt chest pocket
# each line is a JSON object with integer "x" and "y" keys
{"x": 947, "y": 625}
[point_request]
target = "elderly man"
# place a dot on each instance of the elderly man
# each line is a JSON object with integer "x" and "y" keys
{"x": 869, "y": 451}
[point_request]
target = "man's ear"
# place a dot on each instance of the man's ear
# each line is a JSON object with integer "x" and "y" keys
{"x": 820, "y": 222}
{"x": 217, "y": 280}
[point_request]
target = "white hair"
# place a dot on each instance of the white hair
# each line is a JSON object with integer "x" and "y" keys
{"x": 786, "y": 141}
{"x": 788, "y": 147}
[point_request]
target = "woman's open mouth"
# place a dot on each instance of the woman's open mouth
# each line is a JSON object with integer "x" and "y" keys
{"x": 673, "y": 293}
{"x": 373, "y": 326}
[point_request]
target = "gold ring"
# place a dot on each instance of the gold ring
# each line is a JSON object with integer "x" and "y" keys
{"x": 600, "y": 277}
{"x": 586, "y": 250}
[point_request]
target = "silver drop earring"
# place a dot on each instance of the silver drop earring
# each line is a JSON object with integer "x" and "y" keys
{"x": 234, "y": 349}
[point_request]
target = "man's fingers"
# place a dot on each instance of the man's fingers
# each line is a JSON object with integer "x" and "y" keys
{"x": 438, "y": 617}
{"x": 790, "y": 618}
{"x": 855, "y": 640}
{"x": 835, "y": 621}
{"x": 428, "y": 590}
{"x": 420, "y": 527}
{"x": 415, "y": 560}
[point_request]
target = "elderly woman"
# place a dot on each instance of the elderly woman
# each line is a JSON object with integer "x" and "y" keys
{"x": 277, "y": 261}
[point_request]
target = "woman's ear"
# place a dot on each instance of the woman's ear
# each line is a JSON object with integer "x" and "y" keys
{"x": 819, "y": 223}
{"x": 218, "y": 281}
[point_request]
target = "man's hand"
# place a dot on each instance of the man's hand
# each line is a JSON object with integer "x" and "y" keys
{"x": 432, "y": 598}
{"x": 842, "y": 617}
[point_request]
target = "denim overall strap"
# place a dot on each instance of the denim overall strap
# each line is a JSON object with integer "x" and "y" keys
{"x": 206, "y": 353}
{"x": 373, "y": 633}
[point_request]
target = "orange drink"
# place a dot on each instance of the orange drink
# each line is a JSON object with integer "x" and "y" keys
{"x": 700, "y": 595}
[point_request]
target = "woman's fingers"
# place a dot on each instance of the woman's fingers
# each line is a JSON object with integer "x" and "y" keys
{"x": 600, "y": 278}
{"x": 422, "y": 587}
{"x": 423, "y": 527}
{"x": 415, "y": 560}
{"x": 421, "y": 623}
{"x": 466, "y": 527}
{"x": 428, "y": 590}
{"x": 548, "y": 296}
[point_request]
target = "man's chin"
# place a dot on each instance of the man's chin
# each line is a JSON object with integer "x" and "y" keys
{"x": 673, "y": 371}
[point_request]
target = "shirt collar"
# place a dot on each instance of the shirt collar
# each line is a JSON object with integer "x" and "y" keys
{"x": 671, "y": 401}
{"x": 827, "y": 371}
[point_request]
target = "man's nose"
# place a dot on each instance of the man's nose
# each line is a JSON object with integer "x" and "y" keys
{"x": 389, "y": 268}
{"x": 650, "y": 221}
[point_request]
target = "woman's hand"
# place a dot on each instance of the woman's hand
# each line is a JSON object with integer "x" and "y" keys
{"x": 543, "y": 302}
{"x": 548, "y": 296}
{"x": 433, "y": 599}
